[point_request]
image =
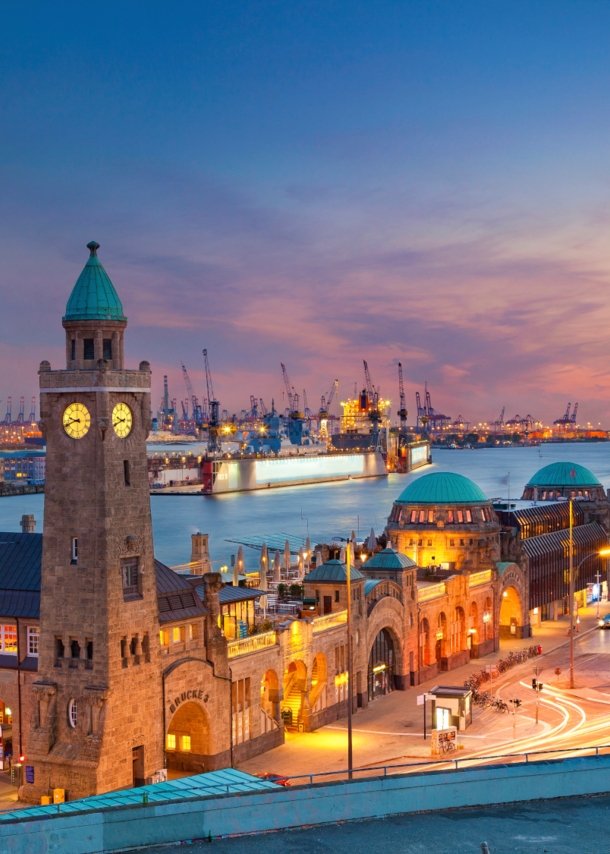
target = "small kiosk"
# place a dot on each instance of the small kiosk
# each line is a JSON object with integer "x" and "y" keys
{"x": 451, "y": 707}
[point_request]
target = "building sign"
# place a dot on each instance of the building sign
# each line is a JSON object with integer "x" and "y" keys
{"x": 185, "y": 696}
{"x": 29, "y": 773}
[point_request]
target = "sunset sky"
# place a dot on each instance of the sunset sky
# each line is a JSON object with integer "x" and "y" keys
{"x": 316, "y": 183}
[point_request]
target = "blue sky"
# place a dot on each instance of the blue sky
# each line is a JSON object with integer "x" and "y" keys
{"x": 316, "y": 183}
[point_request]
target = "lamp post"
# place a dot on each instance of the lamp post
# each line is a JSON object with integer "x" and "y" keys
{"x": 350, "y": 761}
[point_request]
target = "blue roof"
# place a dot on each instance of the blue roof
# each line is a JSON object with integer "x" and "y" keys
{"x": 333, "y": 570}
{"x": 442, "y": 487}
{"x": 389, "y": 559}
{"x": 370, "y": 585}
{"x": 564, "y": 474}
{"x": 93, "y": 296}
{"x": 227, "y": 781}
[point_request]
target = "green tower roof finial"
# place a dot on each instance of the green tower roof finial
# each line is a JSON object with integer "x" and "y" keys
{"x": 93, "y": 296}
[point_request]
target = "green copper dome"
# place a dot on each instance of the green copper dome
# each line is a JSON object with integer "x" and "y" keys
{"x": 333, "y": 570}
{"x": 564, "y": 474}
{"x": 93, "y": 296}
{"x": 442, "y": 487}
{"x": 389, "y": 559}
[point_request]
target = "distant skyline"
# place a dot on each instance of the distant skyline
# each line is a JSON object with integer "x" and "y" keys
{"x": 315, "y": 184}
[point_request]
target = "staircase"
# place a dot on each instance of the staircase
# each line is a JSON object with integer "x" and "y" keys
{"x": 293, "y": 702}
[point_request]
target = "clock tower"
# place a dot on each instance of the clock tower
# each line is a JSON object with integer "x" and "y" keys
{"x": 96, "y": 724}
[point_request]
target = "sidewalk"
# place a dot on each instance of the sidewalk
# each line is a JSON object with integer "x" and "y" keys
{"x": 391, "y": 727}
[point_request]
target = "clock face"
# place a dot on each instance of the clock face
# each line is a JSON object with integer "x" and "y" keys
{"x": 76, "y": 420}
{"x": 122, "y": 420}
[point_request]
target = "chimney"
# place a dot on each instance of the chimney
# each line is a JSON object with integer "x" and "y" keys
{"x": 200, "y": 554}
{"x": 28, "y": 523}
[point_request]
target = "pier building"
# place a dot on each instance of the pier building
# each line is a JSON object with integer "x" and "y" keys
{"x": 535, "y": 536}
{"x": 135, "y": 669}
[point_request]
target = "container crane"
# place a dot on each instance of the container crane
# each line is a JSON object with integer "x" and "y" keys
{"x": 196, "y": 409}
{"x": 295, "y": 416}
{"x": 32, "y": 418}
{"x": 402, "y": 412}
{"x": 21, "y": 416}
{"x": 574, "y": 413}
{"x": 214, "y": 410}
{"x": 9, "y": 411}
{"x": 370, "y": 396}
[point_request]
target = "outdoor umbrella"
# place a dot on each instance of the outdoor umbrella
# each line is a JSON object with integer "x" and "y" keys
{"x": 287, "y": 555}
{"x": 371, "y": 542}
{"x": 277, "y": 571}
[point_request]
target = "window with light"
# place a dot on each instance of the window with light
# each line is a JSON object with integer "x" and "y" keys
{"x": 8, "y": 639}
{"x": 171, "y": 741}
{"x": 185, "y": 743}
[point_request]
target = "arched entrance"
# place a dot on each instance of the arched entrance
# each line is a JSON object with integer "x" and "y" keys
{"x": 295, "y": 685}
{"x": 488, "y": 619}
{"x": 270, "y": 701}
{"x": 511, "y": 614}
{"x": 424, "y": 644}
{"x": 473, "y": 627}
{"x": 382, "y": 660}
{"x": 318, "y": 694}
{"x": 6, "y": 738}
{"x": 187, "y": 743}
{"x": 458, "y": 631}
{"x": 441, "y": 636}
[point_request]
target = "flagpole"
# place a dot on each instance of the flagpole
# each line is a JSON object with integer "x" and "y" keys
{"x": 350, "y": 762}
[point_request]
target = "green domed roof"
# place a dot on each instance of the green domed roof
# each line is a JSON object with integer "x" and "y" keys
{"x": 442, "y": 487}
{"x": 333, "y": 570}
{"x": 389, "y": 559}
{"x": 93, "y": 296}
{"x": 564, "y": 474}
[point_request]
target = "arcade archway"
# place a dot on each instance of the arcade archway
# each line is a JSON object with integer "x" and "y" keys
{"x": 295, "y": 685}
{"x": 187, "y": 743}
{"x": 382, "y": 661}
{"x": 511, "y": 614}
{"x": 318, "y": 694}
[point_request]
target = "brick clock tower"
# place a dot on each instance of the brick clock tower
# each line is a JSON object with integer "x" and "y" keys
{"x": 96, "y": 724}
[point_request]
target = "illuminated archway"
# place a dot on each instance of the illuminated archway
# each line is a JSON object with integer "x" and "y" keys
{"x": 488, "y": 619}
{"x": 441, "y": 637}
{"x": 473, "y": 625}
{"x": 295, "y": 686}
{"x": 187, "y": 742}
{"x": 458, "y": 631}
{"x": 382, "y": 662}
{"x": 424, "y": 644}
{"x": 511, "y": 613}
{"x": 270, "y": 700}
{"x": 319, "y": 676}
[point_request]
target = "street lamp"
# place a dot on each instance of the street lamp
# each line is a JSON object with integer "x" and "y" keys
{"x": 573, "y": 574}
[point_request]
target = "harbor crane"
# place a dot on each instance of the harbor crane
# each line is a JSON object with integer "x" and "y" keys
{"x": 295, "y": 416}
{"x": 8, "y": 418}
{"x": 402, "y": 412}
{"x": 567, "y": 420}
{"x": 370, "y": 399}
{"x": 426, "y": 414}
{"x": 196, "y": 409}
{"x": 327, "y": 399}
{"x": 213, "y": 409}
{"x": 32, "y": 418}
{"x": 21, "y": 416}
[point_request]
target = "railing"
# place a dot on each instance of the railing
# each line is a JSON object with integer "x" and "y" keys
{"x": 432, "y": 592}
{"x": 251, "y": 644}
{"x": 479, "y": 578}
{"x": 329, "y": 621}
{"x": 457, "y": 764}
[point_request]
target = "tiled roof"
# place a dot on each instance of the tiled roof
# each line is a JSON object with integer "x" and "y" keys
{"x": 177, "y": 598}
{"x": 20, "y": 559}
{"x": 93, "y": 296}
{"x": 332, "y": 570}
{"x": 20, "y": 603}
{"x": 389, "y": 559}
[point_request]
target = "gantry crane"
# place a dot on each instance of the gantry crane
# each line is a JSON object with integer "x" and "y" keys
{"x": 402, "y": 412}
{"x": 213, "y": 409}
{"x": 196, "y": 409}
{"x": 295, "y": 416}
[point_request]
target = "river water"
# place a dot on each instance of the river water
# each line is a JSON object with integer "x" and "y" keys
{"x": 324, "y": 510}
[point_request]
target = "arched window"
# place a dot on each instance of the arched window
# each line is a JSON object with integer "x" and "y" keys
{"x": 72, "y": 713}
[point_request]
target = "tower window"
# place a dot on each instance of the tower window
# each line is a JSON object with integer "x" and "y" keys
{"x": 89, "y": 349}
{"x": 131, "y": 579}
{"x": 33, "y": 640}
{"x": 72, "y": 713}
{"x": 59, "y": 648}
{"x": 107, "y": 349}
{"x": 74, "y": 550}
{"x": 73, "y": 356}
{"x": 126, "y": 472}
{"x": 89, "y": 659}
